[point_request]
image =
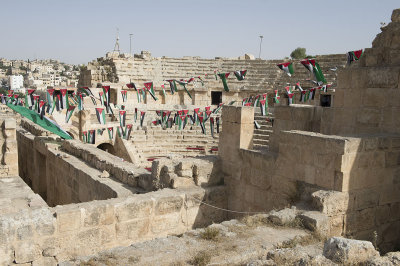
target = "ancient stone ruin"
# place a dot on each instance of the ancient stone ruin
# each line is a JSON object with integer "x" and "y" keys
{"x": 314, "y": 183}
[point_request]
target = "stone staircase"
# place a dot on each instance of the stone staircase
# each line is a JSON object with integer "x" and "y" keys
{"x": 261, "y": 136}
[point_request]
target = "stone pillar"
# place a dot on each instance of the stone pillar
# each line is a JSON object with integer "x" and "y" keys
{"x": 84, "y": 122}
{"x": 237, "y": 133}
{"x": 10, "y": 155}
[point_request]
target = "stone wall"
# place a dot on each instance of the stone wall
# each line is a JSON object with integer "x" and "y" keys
{"x": 368, "y": 95}
{"x": 351, "y": 148}
{"x": 60, "y": 178}
{"x": 47, "y": 235}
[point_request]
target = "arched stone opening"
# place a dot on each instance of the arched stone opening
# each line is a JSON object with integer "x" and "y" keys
{"x": 107, "y": 147}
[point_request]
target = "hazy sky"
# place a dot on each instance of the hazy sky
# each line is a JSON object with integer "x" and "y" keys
{"x": 80, "y": 31}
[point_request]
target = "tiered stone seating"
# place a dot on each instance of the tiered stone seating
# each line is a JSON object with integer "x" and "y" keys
{"x": 156, "y": 143}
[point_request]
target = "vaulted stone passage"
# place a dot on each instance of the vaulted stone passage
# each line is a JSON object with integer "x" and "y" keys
{"x": 107, "y": 147}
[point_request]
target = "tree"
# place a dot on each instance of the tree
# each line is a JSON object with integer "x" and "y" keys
{"x": 9, "y": 71}
{"x": 298, "y": 53}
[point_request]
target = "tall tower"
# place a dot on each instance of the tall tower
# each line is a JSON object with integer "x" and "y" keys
{"x": 116, "y": 46}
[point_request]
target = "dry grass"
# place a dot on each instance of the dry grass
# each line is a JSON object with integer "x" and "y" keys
{"x": 296, "y": 223}
{"x": 301, "y": 241}
{"x": 255, "y": 220}
{"x": 201, "y": 259}
{"x": 210, "y": 233}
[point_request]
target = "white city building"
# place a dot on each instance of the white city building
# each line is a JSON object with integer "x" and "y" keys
{"x": 16, "y": 82}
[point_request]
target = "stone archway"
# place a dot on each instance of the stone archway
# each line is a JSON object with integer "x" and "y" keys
{"x": 107, "y": 147}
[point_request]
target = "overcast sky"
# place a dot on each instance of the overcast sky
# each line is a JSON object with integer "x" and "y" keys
{"x": 79, "y": 31}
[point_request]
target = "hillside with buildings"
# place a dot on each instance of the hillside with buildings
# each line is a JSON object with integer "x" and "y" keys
{"x": 18, "y": 75}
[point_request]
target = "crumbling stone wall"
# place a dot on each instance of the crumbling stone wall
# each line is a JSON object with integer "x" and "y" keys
{"x": 60, "y": 178}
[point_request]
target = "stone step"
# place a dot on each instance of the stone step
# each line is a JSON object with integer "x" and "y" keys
{"x": 260, "y": 137}
{"x": 260, "y": 142}
{"x": 263, "y": 131}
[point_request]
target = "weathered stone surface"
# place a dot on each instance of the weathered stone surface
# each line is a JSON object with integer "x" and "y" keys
{"x": 50, "y": 261}
{"x": 26, "y": 252}
{"x": 343, "y": 250}
{"x": 330, "y": 202}
{"x": 104, "y": 174}
{"x": 316, "y": 221}
{"x": 283, "y": 217}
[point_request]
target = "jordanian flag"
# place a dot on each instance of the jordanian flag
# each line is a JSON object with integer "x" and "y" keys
{"x": 128, "y": 131}
{"x": 120, "y": 131}
{"x": 183, "y": 83}
{"x": 122, "y": 118}
{"x": 74, "y": 98}
{"x": 216, "y": 110}
{"x": 257, "y": 101}
{"x": 101, "y": 95}
{"x": 84, "y": 136}
{"x": 64, "y": 99}
{"x": 290, "y": 95}
{"x": 149, "y": 87}
{"x": 196, "y": 115}
{"x": 110, "y": 132}
{"x": 124, "y": 96}
{"x": 106, "y": 93}
{"x": 354, "y": 56}
{"x": 163, "y": 91}
{"x": 180, "y": 122}
{"x": 314, "y": 68}
{"x": 88, "y": 92}
{"x": 51, "y": 101}
{"x": 312, "y": 93}
{"x": 215, "y": 74}
{"x": 240, "y": 74}
{"x": 92, "y": 136}
{"x": 217, "y": 122}
{"x": 203, "y": 128}
{"x": 35, "y": 101}
{"x": 80, "y": 102}
{"x": 135, "y": 114}
{"x": 131, "y": 86}
{"x": 29, "y": 98}
{"x": 302, "y": 92}
{"x": 172, "y": 85}
{"x": 287, "y": 67}
{"x": 142, "y": 114}
{"x": 201, "y": 80}
{"x": 276, "y": 97}
{"x": 324, "y": 88}
{"x": 264, "y": 107}
{"x": 101, "y": 115}
{"x": 223, "y": 77}
{"x": 69, "y": 113}
{"x": 42, "y": 109}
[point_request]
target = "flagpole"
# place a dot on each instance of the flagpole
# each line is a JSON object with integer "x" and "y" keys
{"x": 259, "y": 54}
{"x": 130, "y": 43}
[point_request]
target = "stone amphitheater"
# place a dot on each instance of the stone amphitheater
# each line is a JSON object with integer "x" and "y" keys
{"x": 314, "y": 184}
